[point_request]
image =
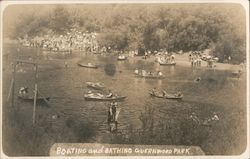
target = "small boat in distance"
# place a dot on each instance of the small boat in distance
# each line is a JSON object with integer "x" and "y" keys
{"x": 150, "y": 76}
{"x": 101, "y": 97}
{"x": 97, "y": 85}
{"x": 176, "y": 96}
{"x": 88, "y": 65}
{"x": 121, "y": 57}
{"x": 146, "y": 74}
{"x": 167, "y": 63}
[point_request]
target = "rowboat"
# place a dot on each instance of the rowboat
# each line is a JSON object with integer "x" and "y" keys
{"x": 31, "y": 98}
{"x": 99, "y": 97}
{"x": 236, "y": 74}
{"x": 167, "y": 96}
{"x": 121, "y": 57}
{"x": 167, "y": 63}
{"x": 88, "y": 65}
{"x": 93, "y": 85}
{"x": 150, "y": 76}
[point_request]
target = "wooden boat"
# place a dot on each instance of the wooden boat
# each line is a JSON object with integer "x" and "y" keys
{"x": 121, "y": 57}
{"x": 97, "y": 86}
{"x": 150, "y": 76}
{"x": 167, "y": 63}
{"x": 31, "y": 98}
{"x": 88, "y": 65}
{"x": 236, "y": 74}
{"x": 167, "y": 96}
{"x": 98, "y": 97}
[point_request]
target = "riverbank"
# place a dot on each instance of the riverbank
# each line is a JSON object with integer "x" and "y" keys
{"x": 182, "y": 60}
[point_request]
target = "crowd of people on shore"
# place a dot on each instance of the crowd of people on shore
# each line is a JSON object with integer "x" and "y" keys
{"x": 165, "y": 58}
{"x": 195, "y": 58}
{"x": 73, "y": 40}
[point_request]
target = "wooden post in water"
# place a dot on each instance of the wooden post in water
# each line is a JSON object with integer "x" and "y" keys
{"x": 13, "y": 84}
{"x": 35, "y": 96}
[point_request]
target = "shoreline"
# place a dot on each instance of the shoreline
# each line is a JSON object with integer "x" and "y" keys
{"x": 182, "y": 60}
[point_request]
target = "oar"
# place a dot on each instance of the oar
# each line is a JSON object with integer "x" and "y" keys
{"x": 11, "y": 85}
{"x": 44, "y": 98}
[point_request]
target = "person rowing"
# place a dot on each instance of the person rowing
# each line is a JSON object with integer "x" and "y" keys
{"x": 110, "y": 94}
{"x": 160, "y": 73}
{"x": 136, "y": 71}
{"x": 164, "y": 93}
{"x": 23, "y": 90}
{"x": 179, "y": 94}
{"x": 153, "y": 91}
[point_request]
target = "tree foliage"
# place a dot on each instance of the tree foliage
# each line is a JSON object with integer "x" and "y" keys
{"x": 151, "y": 27}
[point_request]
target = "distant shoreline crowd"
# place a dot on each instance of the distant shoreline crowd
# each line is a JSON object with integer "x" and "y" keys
{"x": 73, "y": 40}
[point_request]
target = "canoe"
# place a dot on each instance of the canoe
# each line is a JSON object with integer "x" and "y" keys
{"x": 87, "y": 65}
{"x": 167, "y": 96}
{"x": 95, "y": 97}
{"x": 93, "y": 85}
{"x": 120, "y": 58}
{"x": 150, "y": 76}
{"x": 236, "y": 73}
{"x": 167, "y": 64}
{"x": 31, "y": 98}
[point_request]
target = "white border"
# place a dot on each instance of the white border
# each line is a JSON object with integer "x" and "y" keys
{"x": 244, "y": 3}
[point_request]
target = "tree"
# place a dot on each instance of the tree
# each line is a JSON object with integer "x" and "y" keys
{"x": 59, "y": 20}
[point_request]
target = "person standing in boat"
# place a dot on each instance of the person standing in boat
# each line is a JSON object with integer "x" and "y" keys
{"x": 172, "y": 59}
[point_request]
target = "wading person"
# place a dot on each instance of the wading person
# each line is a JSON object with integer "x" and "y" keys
{"x": 113, "y": 107}
{"x": 229, "y": 59}
{"x": 112, "y": 121}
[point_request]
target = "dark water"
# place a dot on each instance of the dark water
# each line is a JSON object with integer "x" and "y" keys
{"x": 216, "y": 92}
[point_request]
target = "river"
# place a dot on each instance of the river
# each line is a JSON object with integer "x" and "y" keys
{"x": 217, "y": 92}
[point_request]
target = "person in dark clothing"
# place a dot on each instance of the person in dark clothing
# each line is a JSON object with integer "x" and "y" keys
{"x": 113, "y": 110}
{"x": 112, "y": 122}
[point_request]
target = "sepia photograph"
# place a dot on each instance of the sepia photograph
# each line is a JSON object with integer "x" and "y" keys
{"x": 124, "y": 79}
